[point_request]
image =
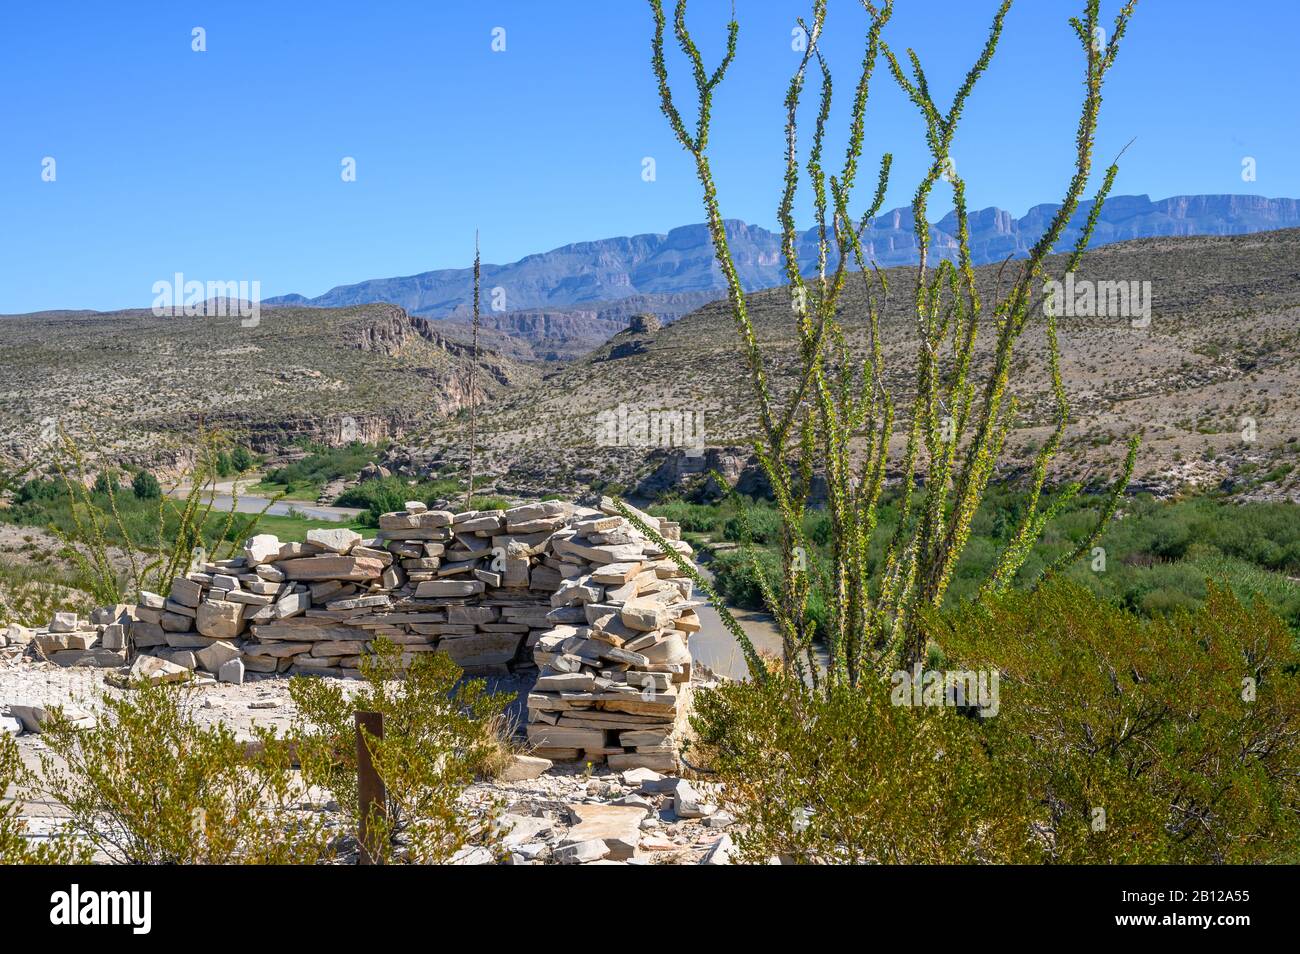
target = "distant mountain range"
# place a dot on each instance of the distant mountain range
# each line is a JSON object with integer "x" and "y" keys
{"x": 551, "y": 295}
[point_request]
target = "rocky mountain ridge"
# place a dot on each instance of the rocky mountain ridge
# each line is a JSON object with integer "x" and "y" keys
{"x": 671, "y": 274}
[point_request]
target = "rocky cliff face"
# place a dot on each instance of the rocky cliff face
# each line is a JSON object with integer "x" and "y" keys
{"x": 562, "y": 333}
{"x": 385, "y": 331}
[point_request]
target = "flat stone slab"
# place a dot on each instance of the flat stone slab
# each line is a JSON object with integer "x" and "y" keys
{"x": 524, "y": 767}
{"x": 618, "y": 826}
{"x": 354, "y": 569}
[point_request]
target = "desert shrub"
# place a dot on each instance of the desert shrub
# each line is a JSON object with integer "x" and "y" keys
{"x": 145, "y": 486}
{"x": 845, "y": 776}
{"x": 737, "y": 579}
{"x": 147, "y": 784}
{"x": 439, "y": 733}
{"x": 30, "y": 594}
{"x": 381, "y": 496}
{"x": 819, "y": 529}
{"x": 440, "y": 489}
{"x": 1114, "y": 740}
{"x": 306, "y": 477}
{"x": 16, "y": 848}
{"x": 694, "y": 518}
{"x": 1183, "y": 730}
{"x": 388, "y": 494}
{"x": 762, "y": 524}
{"x": 11, "y": 479}
{"x": 38, "y": 489}
{"x": 241, "y": 459}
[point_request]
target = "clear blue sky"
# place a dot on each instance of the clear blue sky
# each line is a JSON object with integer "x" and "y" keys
{"x": 226, "y": 164}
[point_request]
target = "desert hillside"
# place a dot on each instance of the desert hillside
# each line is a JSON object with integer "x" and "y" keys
{"x": 1217, "y": 360}
{"x": 132, "y": 381}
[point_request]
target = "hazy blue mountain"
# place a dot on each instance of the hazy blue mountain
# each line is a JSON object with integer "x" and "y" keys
{"x": 676, "y": 272}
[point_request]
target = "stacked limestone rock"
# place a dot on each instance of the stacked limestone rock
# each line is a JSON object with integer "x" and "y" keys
{"x": 615, "y": 671}
{"x": 482, "y": 586}
{"x": 314, "y": 608}
{"x": 68, "y": 640}
{"x": 599, "y": 608}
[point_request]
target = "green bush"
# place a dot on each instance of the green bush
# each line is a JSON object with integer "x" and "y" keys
{"x": 1114, "y": 740}
{"x": 147, "y": 784}
{"x": 16, "y": 847}
{"x": 848, "y": 777}
{"x": 31, "y": 593}
{"x": 145, "y": 486}
{"x": 379, "y": 497}
{"x": 694, "y": 518}
{"x": 818, "y": 527}
{"x": 1174, "y": 740}
{"x": 736, "y": 579}
{"x": 388, "y": 494}
{"x": 444, "y": 488}
{"x": 764, "y": 526}
{"x": 308, "y": 476}
{"x": 38, "y": 489}
{"x": 439, "y": 733}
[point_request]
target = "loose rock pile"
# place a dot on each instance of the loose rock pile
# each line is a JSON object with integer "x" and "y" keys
{"x": 69, "y": 640}
{"x": 596, "y": 606}
{"x": 633, "y": 817}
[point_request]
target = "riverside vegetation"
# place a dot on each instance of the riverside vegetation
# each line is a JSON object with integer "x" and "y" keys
{"x": 1157, "y": 556}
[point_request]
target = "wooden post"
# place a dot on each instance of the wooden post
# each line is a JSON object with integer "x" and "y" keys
{"x": 371, "y": 799}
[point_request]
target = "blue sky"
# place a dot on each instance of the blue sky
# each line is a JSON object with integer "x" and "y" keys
{"x": 226, "y": 164}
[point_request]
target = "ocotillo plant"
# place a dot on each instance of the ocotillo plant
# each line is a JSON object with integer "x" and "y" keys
{"x": 180, "y": 532}
{"x": 838, "y": 419}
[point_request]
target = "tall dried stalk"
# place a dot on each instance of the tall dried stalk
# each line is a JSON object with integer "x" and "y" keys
{"x": 473, "y": 368}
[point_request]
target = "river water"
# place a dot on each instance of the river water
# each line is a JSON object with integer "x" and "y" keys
{"x": 227, "y": 499}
